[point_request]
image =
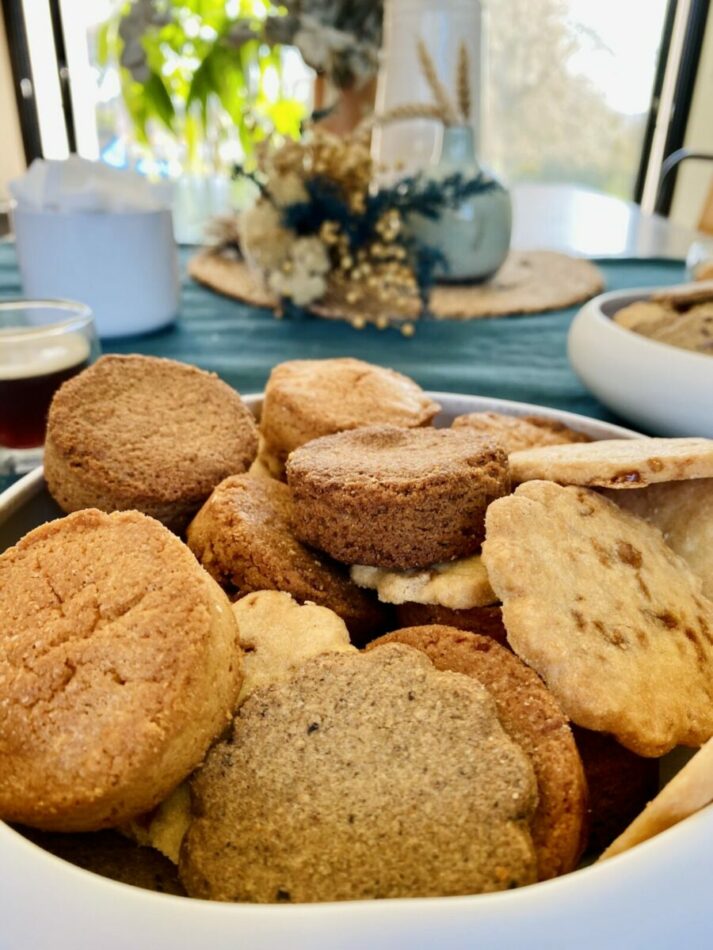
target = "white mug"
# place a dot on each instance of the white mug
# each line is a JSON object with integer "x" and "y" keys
{"x": 122, "y": 264}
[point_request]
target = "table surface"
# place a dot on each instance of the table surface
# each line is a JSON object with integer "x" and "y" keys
{"x": 580, "y": 221}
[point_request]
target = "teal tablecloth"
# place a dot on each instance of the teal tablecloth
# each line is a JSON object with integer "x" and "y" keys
{"x": 521, "y": 358}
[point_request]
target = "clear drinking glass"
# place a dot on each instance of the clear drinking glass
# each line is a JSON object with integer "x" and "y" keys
{"x": 42, "y": 343}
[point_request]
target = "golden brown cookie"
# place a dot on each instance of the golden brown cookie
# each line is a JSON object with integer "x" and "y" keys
{"x": 616, "y": 463}
{"x": 395, "y": 498}
{"x": 119, "y": 663}
{"x": 532, "y": 718}
{"x": 244, "y": 538}
{"x": 487, "y": 621}
{"x": 683, "y": 512}
{"x": 364, "y": 776}
{"x": 137, "y": 432}
{"x": 458, "y": 584}
{"x": 305, "y": 399}
{"x": 515, "y": 433}
{"x": 620, "y": 784}
{"x": 612, "y": 619}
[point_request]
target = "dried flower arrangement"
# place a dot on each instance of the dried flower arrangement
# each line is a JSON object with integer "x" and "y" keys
{"x": 322, "y": 239}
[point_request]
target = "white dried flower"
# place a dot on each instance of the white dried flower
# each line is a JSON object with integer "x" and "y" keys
{"x": 264, "y": 241}
{"x": 287, "y": 189}
{"x": 310, "y": 254}
{"x": 300, "y": 286}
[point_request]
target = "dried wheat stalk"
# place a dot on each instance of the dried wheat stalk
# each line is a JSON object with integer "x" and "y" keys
{"x": 443, "y": 100}
{"x": 463, "y": 82}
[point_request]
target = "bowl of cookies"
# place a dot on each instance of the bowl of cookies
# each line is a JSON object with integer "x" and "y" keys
{"x": 348, "y": 663}
{"x": 649, "y": 356}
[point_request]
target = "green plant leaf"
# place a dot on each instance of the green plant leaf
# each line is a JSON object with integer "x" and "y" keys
{"x": 158, "y": 100}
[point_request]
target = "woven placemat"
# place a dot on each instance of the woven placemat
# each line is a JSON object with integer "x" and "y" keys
{"x": 528, "y": 282}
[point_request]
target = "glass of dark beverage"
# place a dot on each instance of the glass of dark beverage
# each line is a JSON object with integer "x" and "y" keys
{"x": 42, "y": 344}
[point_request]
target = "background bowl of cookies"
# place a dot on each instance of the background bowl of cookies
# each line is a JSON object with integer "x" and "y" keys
{"x": 649, "y": 356}
{"x": 398, "y": 668}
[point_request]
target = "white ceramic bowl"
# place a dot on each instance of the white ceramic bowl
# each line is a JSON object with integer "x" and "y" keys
{"x": 663, "y": 389}
{"x": 656, "y": 895}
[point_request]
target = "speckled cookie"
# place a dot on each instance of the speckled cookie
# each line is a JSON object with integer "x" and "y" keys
{"x": 459, "y": 584}
{"x": 305, "y": 399}
{"x": 616, "y": 463}
{"x": 364, "y": 776}
{"x": 244, "y": 538}
{"x": 683, "y": 512}
{"x": 395, "y": 498}
{"x": 136, "y": 432}
{"x": 612, "y": 619}
{"x": 119, "y": 663}
{"x": 515, "y": 433}
{"x": 486, "y": 621}
{"x": 532, "y": 718}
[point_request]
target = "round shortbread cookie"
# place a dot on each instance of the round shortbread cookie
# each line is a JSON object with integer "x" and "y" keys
{"x": 154, "y": 435}
{"x": 616, "y": 463}
{"x": 516, "y": 433}
{"x": 612, "y": 619}
{"x": 531, "y": 716}
{"x": 119, "y": 664}
{"x": 243, "y": 537}
{"x": 364, "y": 776}
{"x": 306, "y": 399}
{"x": 395, "y": 498}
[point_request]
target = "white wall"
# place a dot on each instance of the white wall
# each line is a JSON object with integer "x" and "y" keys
{"x": 695, "y": 178}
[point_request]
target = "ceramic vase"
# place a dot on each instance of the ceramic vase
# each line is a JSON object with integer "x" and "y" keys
{"x": 473, "y": 237}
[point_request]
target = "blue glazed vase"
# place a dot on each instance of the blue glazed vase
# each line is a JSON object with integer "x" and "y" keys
{"x": 474, "y": 237}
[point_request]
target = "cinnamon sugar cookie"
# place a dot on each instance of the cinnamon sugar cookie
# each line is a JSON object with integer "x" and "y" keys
{"x": 363, "y": 776}
{"x": 530, "y": 715}
{"x": 305, "y": 399}
{"x": 395, "y": 498}
{"x": 244, "y": 539}
{"x": 137, "y": 432}
{"x": 612, "y": 619}
{"x": 119, "y": 664}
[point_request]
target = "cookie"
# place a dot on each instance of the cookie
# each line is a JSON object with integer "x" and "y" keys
{"x": 395, "y": 498}
{"x": 364, "y": 776}
{"x": 688, "y": 792}
{"x": 685, "y": 295}
{"x": 244, "y": 538}
{"x": 530, "y": 715}
{"x": 277, "y": 634}
{"x": 137, "y": 432}
{"x": 487, "y": 621}
{"x": 515, "y": 433}
{"x": 306, "y": 399}
{"x": 119, "y": 664}
{"x": 612, "y": 619}
{"x": 616, "y": 463}
{"x": 683, "y": 512}
{"x": 111, "y": 855}
{"x": 458, "y": 585}
{"x": 620, "y": 783}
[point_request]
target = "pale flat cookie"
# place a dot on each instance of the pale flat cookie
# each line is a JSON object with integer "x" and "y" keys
{"x": 683, "y": 512}
{"x": 642, "y": 314}
{"x": 515, "y": 433}
{"x": 612, "y": 619}
{"x": 686, "y": 295}
{"x": 458, "y": 585}
{"x": 616, "y": 463}
{"x": 165, "y": 826}
{"x": 277, "y": 634}
{"x": 685, "y": 794}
